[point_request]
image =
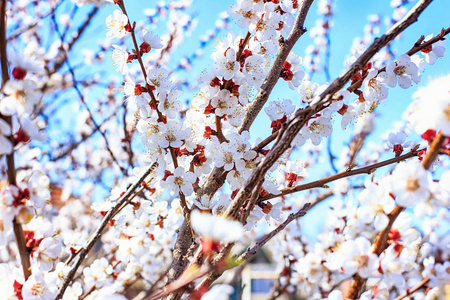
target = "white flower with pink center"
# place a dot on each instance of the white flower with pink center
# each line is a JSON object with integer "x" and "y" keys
{"x": 22, "y": 97}
{"x": 152, "y": 40}
{"x": 295, "y": 62}
{"x": 246, "y": 9}
{"x": 48, "y": 251}
{"x": 354, "y": 256}
{"x": 38, "y": 186}
{"x": 159, "y": 79}
{"x": 397, "y": 142}
{"x": 172, "y": 134}
{"x": 279, "y": 109}
{"x": 98, "y": 273}
{"x": 181, "y": 180}
{"x": 223, "y": 155}
{"x": 433, "y": 51}
{"x": 308, "y": 91}
{"x": 320, "y": 127}
{"x": 254, "y": 70}
{"x": 224, "y": 103}
{"x": 266, "y": 27}
{"x": 377, "y": 205}
{"x": 39, "y": 287}
{"x": 410, "y": 183}
{"x": 226, "y": 65}
{"x": 373, "y": 87}
{"x": 168, "y": 103}
{"x": 403, "y": 71}
{"x": 22, "y": 64}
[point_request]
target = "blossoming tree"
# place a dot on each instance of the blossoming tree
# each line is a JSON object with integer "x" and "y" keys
{"x": 192, "y": 184}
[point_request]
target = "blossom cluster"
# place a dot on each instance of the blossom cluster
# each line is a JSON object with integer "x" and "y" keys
{"x": 203, "y": 158}
{"x": 321, "y": 37}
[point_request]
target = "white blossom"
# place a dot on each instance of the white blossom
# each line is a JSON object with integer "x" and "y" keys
{"x": 410, "y": 183}
{"x": 433, "y": 51}
{"x": 354, "y": 256}
{"x": 48, "y": 251}
{"x": 159, "y": 78}
{"x": 120, "y": 59}
{"x": 116, "y": 24}
{"x": 181, "y": 181}
{"x": 38, "y": 287}
{"x": 216, "y": 228}
{"x": 431, "y": 108}
{"x": 152, "y": 40}
{"x": 5, "y": 144}
{"x": 397, "y": 142}
{"x": 403, "y": 71}
{"x": 38, "y": 186}
{"x": 219, "y": 292}
{"x": 373, "y": 87}
{"x": 226, "y": 65}
{"x": 22, "y": 97}
{"x": 98, "y": 273}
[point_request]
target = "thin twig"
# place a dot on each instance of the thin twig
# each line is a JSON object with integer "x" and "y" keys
{"x": 248, "y": 207}
{"x": 17, "y": 227}
{"x": 274, "y": 74}
{"x": 18, "y": 32}
{"x": 75, "y": 145}
{"x": 408, "y": 292}
{"x": 377, "y": 44}
{"x": 416, "y": 48}
{"x": 347, "y": 173}
{"x": 279, "y": 287}
{"x": 62, "y": 55}
{"x": 381, "y": 241}
{"x": 83, "y": 100}
{"x": 183, "y": 203}
{"x": 127, "y": 136}
{"x": 301, "y": 117}
{"x": 252, "y": 251}
{"x": 185, "y": 279}
{"x": 98, "y": 232}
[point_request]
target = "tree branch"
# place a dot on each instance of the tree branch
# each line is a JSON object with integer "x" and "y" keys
{"x": 377, "y": 44}
{"x": 17, "y": 227}
{"x": 274, "y": 74}
{"x": 82, "y": 98}
{"x": 416, "y": 48}
{"x": 75, "y": 145}
{"x": 252, "y": 251}
{"x": 303, "y": 115}
{"x": 347, "y": 173}
{"x": 408, "y": 292}
{"x": 98, "y": 232}
{"x": 381, "y": 241}
{"x": 62, "y": 56}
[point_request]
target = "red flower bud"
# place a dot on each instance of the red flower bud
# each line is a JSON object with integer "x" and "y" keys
{"x": 18, "y": 289}
{"x": 429, "y": 135}
{"x": 427, "y": 49}
{"x": 145, "y": 48}
{"x": 398, "y": 149}
{"x": 21, "y": 137}
{"x": 19, "y": 73}
{"x": 343, "y": 109}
